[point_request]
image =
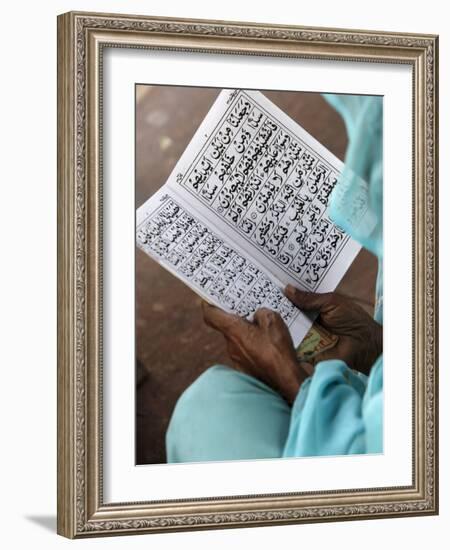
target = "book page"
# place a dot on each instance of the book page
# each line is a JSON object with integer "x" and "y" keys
{"x": 208, "y": 262}
{"x": 262, "y": 178}
{"x": 256, "y": 181}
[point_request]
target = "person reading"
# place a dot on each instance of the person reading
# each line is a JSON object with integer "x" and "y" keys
{"x": 266, "y": 404}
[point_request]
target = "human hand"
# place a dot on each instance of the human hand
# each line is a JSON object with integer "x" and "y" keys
{"x": 262, "y": 348}
{"x": 360, "y": 336}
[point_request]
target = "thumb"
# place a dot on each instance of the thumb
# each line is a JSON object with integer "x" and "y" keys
{"x": 307, "y": 301}
{"x": 220, "y": 320}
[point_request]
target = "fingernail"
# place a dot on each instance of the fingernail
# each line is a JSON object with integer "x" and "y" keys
{"x": 290, "y": 289}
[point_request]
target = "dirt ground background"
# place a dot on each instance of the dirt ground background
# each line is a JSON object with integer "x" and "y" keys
{"x": 173, "y": 346}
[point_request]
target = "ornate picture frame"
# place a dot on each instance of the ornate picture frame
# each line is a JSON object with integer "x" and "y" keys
{"x": 82, "y": 38}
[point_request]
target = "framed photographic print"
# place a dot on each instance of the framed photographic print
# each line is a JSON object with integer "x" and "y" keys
{"x": 247, "y": 283}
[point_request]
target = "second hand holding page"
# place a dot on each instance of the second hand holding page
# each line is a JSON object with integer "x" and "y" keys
{"x": 244, "y": 212}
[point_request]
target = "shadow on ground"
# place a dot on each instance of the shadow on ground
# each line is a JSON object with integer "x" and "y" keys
{"x": 46, "y": 522}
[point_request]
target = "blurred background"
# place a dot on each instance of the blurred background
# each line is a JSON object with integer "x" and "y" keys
{"x": 173, "y": 345}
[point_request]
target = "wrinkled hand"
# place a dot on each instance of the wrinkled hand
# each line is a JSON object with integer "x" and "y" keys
{"x": 360, "y": 337}
{"x": 262, "y": 348}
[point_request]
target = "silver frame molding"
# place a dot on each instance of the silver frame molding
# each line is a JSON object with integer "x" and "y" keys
{"x": 81, "y": 39}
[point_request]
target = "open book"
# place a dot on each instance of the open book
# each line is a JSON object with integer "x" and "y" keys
{"x": 244, "y": 212}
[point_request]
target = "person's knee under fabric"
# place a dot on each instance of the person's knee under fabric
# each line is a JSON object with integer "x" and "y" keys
{"x": 227, "y": 415}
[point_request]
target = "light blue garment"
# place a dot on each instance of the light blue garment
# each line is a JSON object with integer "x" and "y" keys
{"x": 338, "y": 411}
{"x": 228, "y": 415}
{"x": 356, "y": 203}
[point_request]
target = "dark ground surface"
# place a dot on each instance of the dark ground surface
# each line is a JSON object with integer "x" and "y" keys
{"x": 173, "y": 346}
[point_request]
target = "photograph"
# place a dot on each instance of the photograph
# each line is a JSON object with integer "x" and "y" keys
{"x": 258, "y": 274}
